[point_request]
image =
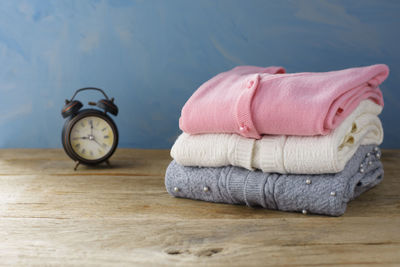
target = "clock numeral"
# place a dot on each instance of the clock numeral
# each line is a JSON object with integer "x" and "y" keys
{"x": 105, "y": 128}
{"x": 82, "y": 124}
{"x": 83, "y": 151}
{"x": 106, "y": 136}
{"x": 78, "y": 145}
{"x": 104, "y": 145}
{"x": 91, "y": 153}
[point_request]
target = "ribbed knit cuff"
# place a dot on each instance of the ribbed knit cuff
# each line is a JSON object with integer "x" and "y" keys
{"x": 271, "y": 154}
{"x": 235, "y": 184}
{"x": 244, "y": 153}
{"x": 253, "y": 191}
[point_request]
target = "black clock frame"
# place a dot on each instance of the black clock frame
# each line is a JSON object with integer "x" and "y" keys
{"x": 66, "y": 134}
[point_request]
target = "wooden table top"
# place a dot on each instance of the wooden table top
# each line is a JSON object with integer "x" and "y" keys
{"x": 53, "y": 215}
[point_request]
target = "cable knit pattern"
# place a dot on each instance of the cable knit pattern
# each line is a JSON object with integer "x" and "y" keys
{"x": 252, "y": 101}
{"x": 284, "y": 154}
{"x": 322, "y": 194}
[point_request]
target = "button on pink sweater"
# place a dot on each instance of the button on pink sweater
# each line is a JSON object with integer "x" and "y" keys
{"x": 252, "y": 101}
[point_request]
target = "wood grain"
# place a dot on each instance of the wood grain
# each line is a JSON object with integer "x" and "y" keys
{"x": 52, "y": 215}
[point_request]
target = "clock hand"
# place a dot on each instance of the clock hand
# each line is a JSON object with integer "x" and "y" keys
{"x": 83, "y": 137}
{"x": 91, "y": 127}
{"x": 102, "y": 146}
{"x": 97, "y": 142}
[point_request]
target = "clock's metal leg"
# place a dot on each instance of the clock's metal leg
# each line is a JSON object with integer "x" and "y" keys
{"x": 77, "y": 164}
{"x": 108, "y": 163}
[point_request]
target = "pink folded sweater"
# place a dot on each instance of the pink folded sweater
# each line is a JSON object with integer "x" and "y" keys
{"x": 252, "y": 101}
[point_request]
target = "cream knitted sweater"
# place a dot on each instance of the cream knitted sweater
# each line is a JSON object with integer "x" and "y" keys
{"x": 284, "y": 154}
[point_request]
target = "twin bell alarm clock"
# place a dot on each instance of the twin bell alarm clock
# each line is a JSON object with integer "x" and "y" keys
{"x": 89, "y": 136}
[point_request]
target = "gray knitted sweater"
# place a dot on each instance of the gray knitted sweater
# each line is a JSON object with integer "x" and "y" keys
{"x": 322, "y": 193}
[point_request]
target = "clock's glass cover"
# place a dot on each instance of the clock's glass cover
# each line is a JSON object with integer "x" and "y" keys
{"x": 91, "y": 137}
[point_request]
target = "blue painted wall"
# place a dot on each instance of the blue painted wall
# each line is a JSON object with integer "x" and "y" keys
{"x": 152, "y": 55}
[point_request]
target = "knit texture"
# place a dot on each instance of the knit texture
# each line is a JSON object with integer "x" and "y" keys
{"x": 321, "y": 194}
{"x": 252, "y": 101}
{"x": 284, "y": 154}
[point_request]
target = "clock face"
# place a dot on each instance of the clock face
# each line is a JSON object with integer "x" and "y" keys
{"x": 92, "y": 138}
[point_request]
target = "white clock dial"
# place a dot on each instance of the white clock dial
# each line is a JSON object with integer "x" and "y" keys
{"x": 92, "y": 137}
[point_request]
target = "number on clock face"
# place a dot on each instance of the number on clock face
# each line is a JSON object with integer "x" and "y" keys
{"x": 91, "y": 138}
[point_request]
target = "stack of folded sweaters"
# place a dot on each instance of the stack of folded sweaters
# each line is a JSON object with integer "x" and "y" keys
{"x": 305, "y": 142}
